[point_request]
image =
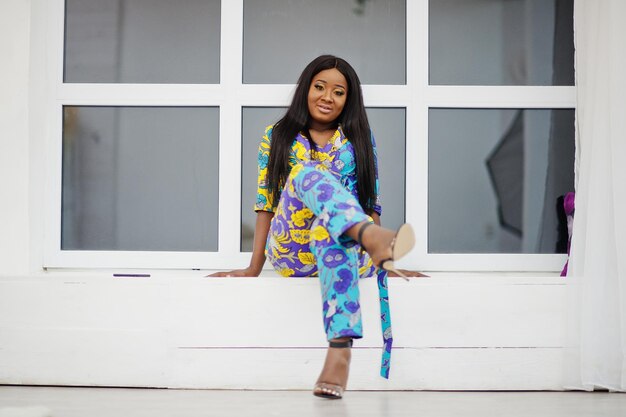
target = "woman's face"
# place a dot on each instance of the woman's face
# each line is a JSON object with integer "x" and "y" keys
{"x": 327, "y": 97}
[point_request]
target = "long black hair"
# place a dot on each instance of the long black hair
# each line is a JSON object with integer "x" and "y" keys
{"x": 353, "y": 120}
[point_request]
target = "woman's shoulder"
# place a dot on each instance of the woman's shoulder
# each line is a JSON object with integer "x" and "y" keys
{"x": 267, "y": 136}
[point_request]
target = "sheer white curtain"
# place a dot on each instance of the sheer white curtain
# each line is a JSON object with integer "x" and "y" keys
{"x": 596, "y": 331}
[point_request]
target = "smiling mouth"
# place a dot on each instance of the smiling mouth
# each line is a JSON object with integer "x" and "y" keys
{"x": 324, "y": 109}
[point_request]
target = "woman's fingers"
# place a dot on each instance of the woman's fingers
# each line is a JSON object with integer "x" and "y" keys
{"x": 234, "y": 273}
{"x": 222, "y": 274}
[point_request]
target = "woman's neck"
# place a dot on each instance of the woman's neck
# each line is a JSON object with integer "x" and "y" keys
{"x": 321, "y": 134}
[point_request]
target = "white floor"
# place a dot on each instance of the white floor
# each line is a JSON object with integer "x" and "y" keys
{"x": 18, "y": 401}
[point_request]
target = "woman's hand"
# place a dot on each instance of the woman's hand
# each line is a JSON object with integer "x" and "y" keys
{"x": 261, "y": 229}
{"x": 407, "y": 273}
{"x": 247, "y": 272}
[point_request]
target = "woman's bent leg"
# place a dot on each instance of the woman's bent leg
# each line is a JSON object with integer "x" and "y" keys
{"x": 326, "y": 197}
{"x": 337, "y": 258}
{"x": 311, "y": 195}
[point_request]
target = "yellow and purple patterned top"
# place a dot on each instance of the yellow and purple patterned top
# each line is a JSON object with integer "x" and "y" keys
{"x": 337, "y": 156}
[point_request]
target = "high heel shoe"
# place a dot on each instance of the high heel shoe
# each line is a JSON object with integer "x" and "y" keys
{"x": 325, "y": 389}
{"x": 401, "y": 244}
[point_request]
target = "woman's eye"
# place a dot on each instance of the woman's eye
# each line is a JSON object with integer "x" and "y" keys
{"x": 319, "y": 87}
{"x": 340, "y": 93}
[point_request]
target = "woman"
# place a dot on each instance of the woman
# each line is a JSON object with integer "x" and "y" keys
{"x": 318, "y": 211}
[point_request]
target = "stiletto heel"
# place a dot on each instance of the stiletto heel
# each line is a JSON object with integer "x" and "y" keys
{"x": 327, "y": 390}
{"x": 401, "y": 244}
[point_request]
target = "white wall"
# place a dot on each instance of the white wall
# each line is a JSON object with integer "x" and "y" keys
{"x": 14, "y": 136}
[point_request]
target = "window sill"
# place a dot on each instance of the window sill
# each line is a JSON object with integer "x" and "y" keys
{"x": 164, "y": 276}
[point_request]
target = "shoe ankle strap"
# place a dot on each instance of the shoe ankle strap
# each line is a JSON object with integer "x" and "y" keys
{"x": 346, "y": 344}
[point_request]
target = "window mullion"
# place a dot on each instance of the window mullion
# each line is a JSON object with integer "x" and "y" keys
{"x": 231, "y": 64}
{"x": 142, "y": 94}
{"x": 500, "y": 96}
{"x": 417, "y": 128}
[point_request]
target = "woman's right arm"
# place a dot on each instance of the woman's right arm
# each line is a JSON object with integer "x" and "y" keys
{"x": 264, "y": 210}
{"x": 261, "y": 229}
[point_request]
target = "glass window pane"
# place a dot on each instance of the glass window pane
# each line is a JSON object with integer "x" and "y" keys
{"x": 282, "y": 36}
{"x": 388, "y": 126}
{"x": 495, "y": 177}
{"x": 142, "y": 41}
{"x": 501, "y": 42}
{"x": 389, "y": 130}
{"x": 140, "y": 178}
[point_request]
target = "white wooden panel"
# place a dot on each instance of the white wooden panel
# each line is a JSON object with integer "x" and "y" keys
{"x": 411, "y": 369}
{"x": 181, "y": 330}
{"x": 140, "y": 359}
{"x": 275, "y": 312}
{"x": 68, "y": 355}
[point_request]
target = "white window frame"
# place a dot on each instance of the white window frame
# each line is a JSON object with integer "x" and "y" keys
{"x": 231, "y": 95}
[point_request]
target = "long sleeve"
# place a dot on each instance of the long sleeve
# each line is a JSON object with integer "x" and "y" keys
{"x": 263, "y": 197}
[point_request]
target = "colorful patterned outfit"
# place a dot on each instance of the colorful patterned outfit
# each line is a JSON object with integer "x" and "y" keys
{"x": 317, "y": 204}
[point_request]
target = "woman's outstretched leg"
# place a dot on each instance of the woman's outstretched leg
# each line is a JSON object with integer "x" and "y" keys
{"x": 338, "y": 267}
{"x": 337, "y": 260}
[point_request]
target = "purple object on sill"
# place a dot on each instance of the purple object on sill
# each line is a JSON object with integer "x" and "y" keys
{"x": 568, "y": 206}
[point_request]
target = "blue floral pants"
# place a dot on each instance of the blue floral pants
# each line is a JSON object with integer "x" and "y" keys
{"x": 307, "y": 238}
